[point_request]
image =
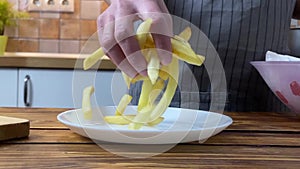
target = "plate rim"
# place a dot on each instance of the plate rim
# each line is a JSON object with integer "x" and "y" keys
{"x": 229, "y": 121}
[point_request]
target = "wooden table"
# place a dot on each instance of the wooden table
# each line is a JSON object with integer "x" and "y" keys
{"x": 254, "y": 140}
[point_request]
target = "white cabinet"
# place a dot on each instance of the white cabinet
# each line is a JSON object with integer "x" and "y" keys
{"x": 45, "y": 88}
{"x": 63, "y": 88}
{"x": 8, "y": 87}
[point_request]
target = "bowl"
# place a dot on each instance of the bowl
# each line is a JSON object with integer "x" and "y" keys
{"x": 283, "y": 78}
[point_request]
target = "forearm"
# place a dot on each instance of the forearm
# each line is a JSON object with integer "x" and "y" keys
{"x": 296, "y": 14}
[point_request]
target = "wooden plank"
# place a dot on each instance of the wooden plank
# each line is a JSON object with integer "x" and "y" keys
{"x": 39, "y": 117}
{"x": 182, "y": 156}
{"x": 11, "y": 128}
{"x": 264, "y": 121}
{"x": 224, "y": 138}
{"x": 243, "y": 121}
{"x": 52, "y": 136}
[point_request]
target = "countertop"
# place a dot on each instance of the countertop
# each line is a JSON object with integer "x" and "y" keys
{"x": 254, "y": 140}
{"x": 49, "y": 61}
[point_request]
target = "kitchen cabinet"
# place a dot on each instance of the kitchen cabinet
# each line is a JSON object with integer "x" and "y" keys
{"x": 63, "y": 88}
{"x": 53, "y": 82}
{"x": 8, "y": 87}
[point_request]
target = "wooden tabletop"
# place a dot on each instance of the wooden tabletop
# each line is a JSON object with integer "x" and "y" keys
{"x": 49, "y": 61}
{"x": 254, "y": 140}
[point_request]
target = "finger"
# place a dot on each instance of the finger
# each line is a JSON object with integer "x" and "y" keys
{"x": 164, "y": 48}
{"x": 161, "y": 30}
{"x": 125, "y": 35}
{"x": 163, "y": 6}
{"x": 162, "y": 20}
{"x": 134, "y": 56}
{"x": 106, "y": 27}
{"x": 118, "y": 58}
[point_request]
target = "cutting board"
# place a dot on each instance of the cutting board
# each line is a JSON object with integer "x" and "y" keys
{"x": 11, "y": 128}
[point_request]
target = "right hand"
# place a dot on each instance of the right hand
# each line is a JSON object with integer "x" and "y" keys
{"x": 117, "y": 36}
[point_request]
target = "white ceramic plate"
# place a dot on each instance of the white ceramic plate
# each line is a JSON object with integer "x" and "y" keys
{"x": 180, "y": 125}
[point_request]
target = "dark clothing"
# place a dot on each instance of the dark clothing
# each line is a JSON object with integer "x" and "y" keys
{"x": 241, "y": 31}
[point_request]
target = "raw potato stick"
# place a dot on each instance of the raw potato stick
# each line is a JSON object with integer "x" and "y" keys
{"x": 86, "y": 102}
{"x": 156, "y": 90}
{"x": 144, "y": 96}
{"x": 127, "y": 80}
{"x": 141, "y": 118}
{"x": 186, "y": 34}
{"x": 149, "y": 113}
{"x": 153, "y": 65}
{"x": 93, "y": 59}
{"x": 127, "y": 119}
{"x": 125, "y": 100}
{"x": 169, "y": 92}
{"x": 143, "y": 32}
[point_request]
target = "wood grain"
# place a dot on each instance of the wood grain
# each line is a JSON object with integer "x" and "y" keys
{"x": 11, "y": 127}
{"x": 242, "y": 121}
{"x": 254, "y": 140}
{"x": 224, "y": 138}
{"x": 181, "y": 156}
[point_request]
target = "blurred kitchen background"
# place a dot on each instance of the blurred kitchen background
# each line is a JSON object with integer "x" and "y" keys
{"x": 59, "y": 32}
{"x": 295, "y": 23}
{"x": 54, "y": 32}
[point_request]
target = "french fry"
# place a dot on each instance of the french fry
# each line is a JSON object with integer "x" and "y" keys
{"x": 180, "y": 49}
{"x": 141, "y": 118}
{"x": 146, "y": 109}
{"x": 202, "y": 58}
{"x": 163, "y": 75}
{"x": 138, "y": 78}
{"x": 144, "y": 96}
{"x": 173, "y": 71}
{"x": 127, "y": 80}
{"x": 184, "y": 52}
{"x": 86, "y": 102}
{"x": 149, "y": 112}
{"x": 153, "y": 65}
{"x": 125, "y": 100}
{"x": 93, "y": 59}
{"x": 151, "y": 54}
{"x": 121, "y": 120}
{"x": 127, "y": 119}
{"x": 169, "y": 92}
{"x": 186, "y": 34}
{"x": 156, "y": 90}
{"x": 160, "y": 83}
{"x": 153, "y": 96}
{"x": 143, "y": 32}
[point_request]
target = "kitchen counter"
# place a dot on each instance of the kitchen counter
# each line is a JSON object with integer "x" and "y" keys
{"x": 254, "y": 140}
{"x": 49, "y": 61}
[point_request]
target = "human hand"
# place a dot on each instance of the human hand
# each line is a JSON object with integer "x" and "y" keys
{"x": 117, "y": 36}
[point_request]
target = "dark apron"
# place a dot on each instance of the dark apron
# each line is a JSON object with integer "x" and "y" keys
{"x": 241, "y": 31}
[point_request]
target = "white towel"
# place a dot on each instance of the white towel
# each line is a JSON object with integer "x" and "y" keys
{"x": 272, "y": 56}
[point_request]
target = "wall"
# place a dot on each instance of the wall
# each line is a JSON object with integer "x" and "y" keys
{"x": 55, "y": 32}
{"x": 58, "y": 32}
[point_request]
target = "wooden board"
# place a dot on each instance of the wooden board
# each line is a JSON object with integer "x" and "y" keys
{"x": 11, "y": 128}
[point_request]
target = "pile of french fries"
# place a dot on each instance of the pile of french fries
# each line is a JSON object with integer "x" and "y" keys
{"x": 161, "y": 80}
